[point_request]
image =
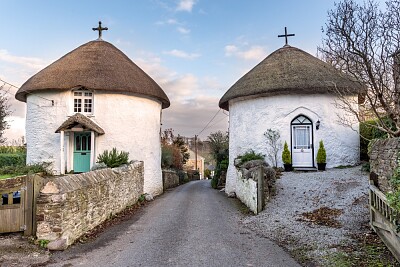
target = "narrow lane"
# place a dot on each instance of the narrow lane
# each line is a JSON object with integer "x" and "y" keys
{"x": 191, "y": 225}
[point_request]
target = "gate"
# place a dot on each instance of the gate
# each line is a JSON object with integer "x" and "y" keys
{"x": 384, "y": 220}
{"x": 18, "y": 204}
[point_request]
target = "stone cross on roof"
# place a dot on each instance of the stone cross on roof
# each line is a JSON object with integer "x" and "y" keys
{"x": 286, "y": 35}
{"x": 100, "y": 29}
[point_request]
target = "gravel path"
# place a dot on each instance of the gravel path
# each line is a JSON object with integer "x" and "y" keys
{"x": 299, "y": 192}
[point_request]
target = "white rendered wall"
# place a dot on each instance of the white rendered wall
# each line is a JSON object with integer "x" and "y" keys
{"x": 131, "y": 123}
{"x": 250, "y": 118}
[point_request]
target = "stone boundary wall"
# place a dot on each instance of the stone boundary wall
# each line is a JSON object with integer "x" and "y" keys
{"x": 383, "y": 161}
{"x": 246, "y": 191}
{"x": 170, "y": 179}
{"x": 69, "y": 206}
{"x": 255, "y": 184}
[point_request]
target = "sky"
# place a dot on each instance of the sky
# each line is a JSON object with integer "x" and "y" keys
{"x": 194, "y": 49}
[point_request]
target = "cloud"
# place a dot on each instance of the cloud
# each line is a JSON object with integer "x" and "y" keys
{"x": 168, "y": 22}
{"x": 185, "y": 5}
{"x": 252, "y": 53}
{"x": 30, "y": 62}
{"x": 182, "y": 54}
{"x": 183, "y": 30}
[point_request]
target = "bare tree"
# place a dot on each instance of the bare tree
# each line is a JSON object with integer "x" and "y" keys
{"x": 274, "y": 145}
{"x": 4, "y": 112}
{"x": 363, "y": 41}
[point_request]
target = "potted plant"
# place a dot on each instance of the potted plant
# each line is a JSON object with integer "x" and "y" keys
{"x": 286, "y": 158}
{"x": 321, "y": 157}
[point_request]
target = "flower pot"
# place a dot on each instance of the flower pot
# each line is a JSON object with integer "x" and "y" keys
{"x": 288, "y": 167}
{"x": 321, "y": 166}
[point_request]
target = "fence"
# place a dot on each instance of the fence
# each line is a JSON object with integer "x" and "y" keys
{"x": 384, "y": 220}
{"x": 18, "y": 204}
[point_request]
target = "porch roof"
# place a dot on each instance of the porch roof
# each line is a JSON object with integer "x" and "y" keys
{"x": 77, "y": 119}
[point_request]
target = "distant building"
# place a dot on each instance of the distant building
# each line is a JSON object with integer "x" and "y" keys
{"x": 191, "y": 163}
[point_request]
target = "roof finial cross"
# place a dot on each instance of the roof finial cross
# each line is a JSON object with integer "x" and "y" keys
{"x": 286, "y": 35}
{"x": 100, "y": 29}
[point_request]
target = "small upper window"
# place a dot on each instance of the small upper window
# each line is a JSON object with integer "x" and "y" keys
{"x": 83, "y": 101}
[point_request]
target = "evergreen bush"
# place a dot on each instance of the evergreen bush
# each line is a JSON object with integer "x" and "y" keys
{"x": 321, "y": 154}
{"x": 114, "y": 158}
{"x": 286, "y": 154}
{"x": 250, "y": 155}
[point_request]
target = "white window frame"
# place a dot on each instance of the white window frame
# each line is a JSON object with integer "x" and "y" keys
{"x": 82, "y": 101}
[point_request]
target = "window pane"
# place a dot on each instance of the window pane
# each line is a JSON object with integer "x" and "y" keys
{"x": 77, "y": 105}
{"x": 84, "y": 144}
{"x": 302, "y": 137}
{"x": 89, "y": 142}
{"x": 77, "y": 93}
{"x": 77, "y": 143}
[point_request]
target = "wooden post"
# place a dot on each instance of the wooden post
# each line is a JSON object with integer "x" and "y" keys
{"x": 195, "y": 152}
{"x": 260, "y": 189}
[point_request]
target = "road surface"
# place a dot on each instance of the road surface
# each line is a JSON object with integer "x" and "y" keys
{"x": 191, "y": 225}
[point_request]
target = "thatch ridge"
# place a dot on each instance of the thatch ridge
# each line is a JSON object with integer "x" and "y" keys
{"x": 79, "y": 118}
{"x": 96, "y": 65}
{"x": 287, "y": 71}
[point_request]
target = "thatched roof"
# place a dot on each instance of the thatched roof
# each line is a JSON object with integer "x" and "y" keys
{"x": 96, "y": 65}
{"x": 81, "y": 119}
{"x": 287, "y": 71}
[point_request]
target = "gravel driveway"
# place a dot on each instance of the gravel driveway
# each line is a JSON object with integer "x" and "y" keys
{"x": 342, "y": 193}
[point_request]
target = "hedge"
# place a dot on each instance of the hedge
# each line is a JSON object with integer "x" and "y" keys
{"x": 12, "y": 159}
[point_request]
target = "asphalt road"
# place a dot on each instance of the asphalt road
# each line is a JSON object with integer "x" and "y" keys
{"x": 191, "y": 225}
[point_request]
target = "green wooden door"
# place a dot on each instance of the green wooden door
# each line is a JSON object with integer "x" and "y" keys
{"x": 82, "y": 143}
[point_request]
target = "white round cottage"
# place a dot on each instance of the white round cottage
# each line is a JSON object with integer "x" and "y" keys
{"x": 294, "y": 93}
{"x": 90, "y": 100}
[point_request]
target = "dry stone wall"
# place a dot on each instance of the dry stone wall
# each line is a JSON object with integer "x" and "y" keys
{"x": 170, "y": 179}
{"x": 383, "y": 161}
{"x": 69, "y": 206}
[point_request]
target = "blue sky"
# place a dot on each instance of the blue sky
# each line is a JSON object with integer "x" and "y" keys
{"x": 194, "y": 49}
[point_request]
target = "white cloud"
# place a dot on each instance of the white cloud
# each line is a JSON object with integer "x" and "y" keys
{"x": 230, "y": 50}
{"x": 252, "y": 53}
{"x": 185, "y": 5}
{"x": 183, "y": 30}
{"x": 30, "y": 62}
{"x": 182, "y": 54}
{"x": 168, "y": 22}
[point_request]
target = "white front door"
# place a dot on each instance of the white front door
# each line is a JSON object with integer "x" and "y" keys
{"x": 302, "y": 155}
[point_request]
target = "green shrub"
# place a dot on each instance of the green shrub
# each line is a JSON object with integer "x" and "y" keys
{"x": 114, "y": 158}
{"x": 286, "y": 154}
{"x": 214, "y": 183}
{"x": 43, "y": 167}
{"x": 394, "y": 196}
{"x": 249, "y": 155}
{"x": 368, "y": 132}
{"x": 12, "y": 159}
{"x": 166, "y": 157}
{"x": 321, "y": 154}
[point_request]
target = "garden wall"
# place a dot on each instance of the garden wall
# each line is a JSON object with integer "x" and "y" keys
{"x": 69, "y": 206}
{"x": 170, "y": 179}
{"x": 383, "y": 161}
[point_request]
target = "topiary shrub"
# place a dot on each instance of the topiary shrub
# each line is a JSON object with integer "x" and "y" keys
{"x": 114, "y": 158}
{"x": 321, "y": 154}
{"x": 286, "y": 154}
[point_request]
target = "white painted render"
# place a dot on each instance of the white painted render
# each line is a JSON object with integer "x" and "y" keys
{"x": 130, "y": 122}
{"x": 250, "y": 118}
